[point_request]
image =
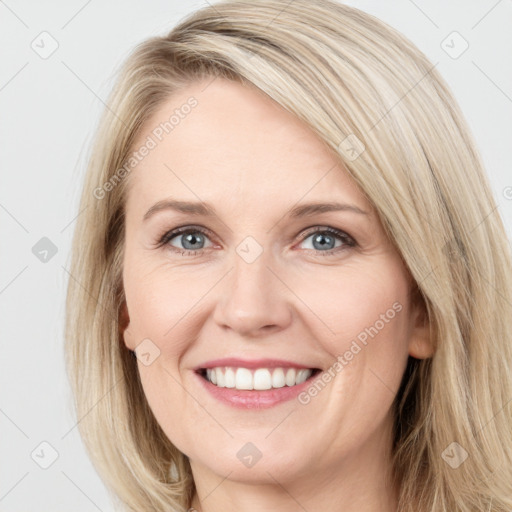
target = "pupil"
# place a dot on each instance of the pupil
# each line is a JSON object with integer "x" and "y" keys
{"x": 191, "y": 239}
{"x": 319, "y": 238}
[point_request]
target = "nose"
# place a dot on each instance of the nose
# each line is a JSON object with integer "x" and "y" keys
{"x": 254, "y": 300}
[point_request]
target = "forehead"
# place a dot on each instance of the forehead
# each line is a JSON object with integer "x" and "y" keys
{"x": 234, "y": 143}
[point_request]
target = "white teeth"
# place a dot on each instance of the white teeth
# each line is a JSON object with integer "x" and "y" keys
{"x": 262, "y": 379}
{"x": 229, "y": 378}
{"x": 302, "y": 376}
{"x": 278, "y": 378}
{"x": 220, "y": 377}
{"x": 259, "y": 379}
{"x": 290, "y": 377}
{"x": 243, "y": 379}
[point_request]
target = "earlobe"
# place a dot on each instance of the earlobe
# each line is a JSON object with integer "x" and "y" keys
{"x": 124, "y": 323}
{"x": 421, "y": 344}
{"x": 420, "y": 347}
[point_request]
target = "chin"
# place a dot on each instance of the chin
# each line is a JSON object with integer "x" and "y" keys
{"x": 245, "y": 462}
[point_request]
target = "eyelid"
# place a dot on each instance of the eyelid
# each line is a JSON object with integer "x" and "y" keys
{"x": 319, "y": 228}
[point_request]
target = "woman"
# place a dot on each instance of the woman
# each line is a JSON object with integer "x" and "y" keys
{"x": 293, "y": 288}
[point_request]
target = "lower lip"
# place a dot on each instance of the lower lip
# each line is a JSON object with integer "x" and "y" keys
{"x": 253, "y": 399}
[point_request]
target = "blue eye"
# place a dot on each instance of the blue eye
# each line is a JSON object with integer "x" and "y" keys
{"x": 192, "y": 240}
{"x": 324, "y": 240}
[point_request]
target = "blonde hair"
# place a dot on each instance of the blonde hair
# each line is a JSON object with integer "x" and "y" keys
{"x": 352, "y": 79}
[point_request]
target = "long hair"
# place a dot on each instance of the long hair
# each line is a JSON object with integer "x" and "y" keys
{"x": 381, "y": 106}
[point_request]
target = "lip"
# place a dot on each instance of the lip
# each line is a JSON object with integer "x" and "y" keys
{"x": 251, "y": 363}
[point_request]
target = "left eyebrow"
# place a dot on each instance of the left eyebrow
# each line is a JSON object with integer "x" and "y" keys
{"x": 206, "y": 210}
{"x": 307, "y": 210}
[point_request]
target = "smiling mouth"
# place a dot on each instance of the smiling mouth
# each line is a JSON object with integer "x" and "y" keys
{"x": 258, "y": 379}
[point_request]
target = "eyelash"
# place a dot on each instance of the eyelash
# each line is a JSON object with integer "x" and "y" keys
{"x": 347, "y": 240}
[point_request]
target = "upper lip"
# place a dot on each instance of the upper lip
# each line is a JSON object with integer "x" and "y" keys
{"x": 251, "y": 363}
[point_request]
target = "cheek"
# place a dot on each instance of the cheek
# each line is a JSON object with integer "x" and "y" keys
{"x": 363, "y": 324}
{"x": 353, "y": 302}
{"x": 161, "y": 309}
{"x": 167, "y": 400}
{"x": 160, "y": 302}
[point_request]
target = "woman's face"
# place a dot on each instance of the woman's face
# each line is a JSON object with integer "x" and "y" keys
{"x": 260, "y": 285}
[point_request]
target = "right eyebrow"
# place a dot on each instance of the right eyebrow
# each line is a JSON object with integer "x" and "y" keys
{"x": 192, "y": 208}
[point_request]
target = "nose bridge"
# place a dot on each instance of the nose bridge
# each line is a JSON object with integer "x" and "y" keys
{"x": 253, "y": 298}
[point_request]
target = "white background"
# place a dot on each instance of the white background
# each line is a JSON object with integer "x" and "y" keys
{"x": 49, "y": 111}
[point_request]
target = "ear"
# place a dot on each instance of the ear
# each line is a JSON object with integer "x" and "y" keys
{"x": 124, "y": 324}
{"x": 421, "y": 344}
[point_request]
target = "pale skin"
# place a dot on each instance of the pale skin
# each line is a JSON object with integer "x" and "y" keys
{"x": 253, "y": 162}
